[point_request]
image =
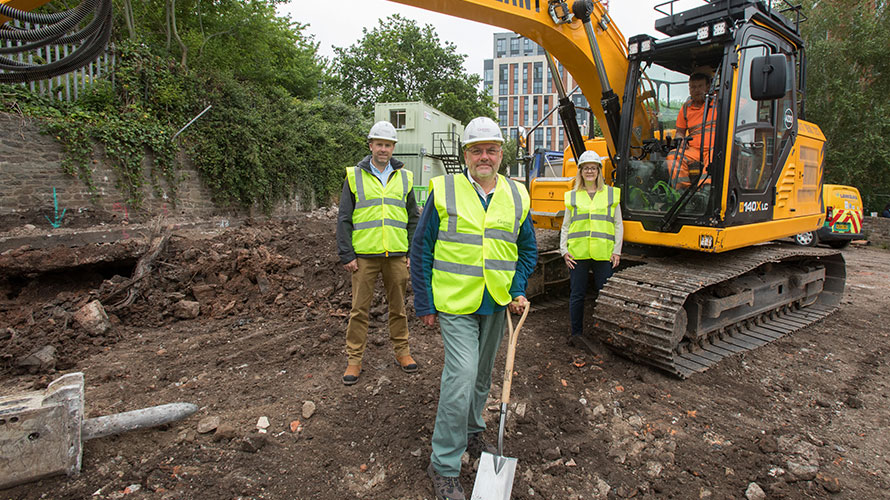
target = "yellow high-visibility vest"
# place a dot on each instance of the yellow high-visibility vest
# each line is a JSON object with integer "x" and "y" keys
{"x": 380, "y": 217}
{"x": 475, "y": 248}
{"x": 592, "y": 222}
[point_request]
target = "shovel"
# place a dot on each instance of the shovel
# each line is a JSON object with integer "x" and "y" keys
{"x": 494, "y": 480}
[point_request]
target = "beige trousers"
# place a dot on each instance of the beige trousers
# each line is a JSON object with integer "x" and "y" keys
{"x": 395, "y": 284}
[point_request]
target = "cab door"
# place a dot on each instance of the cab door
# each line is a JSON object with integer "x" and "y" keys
{"x": 761, "y": 133}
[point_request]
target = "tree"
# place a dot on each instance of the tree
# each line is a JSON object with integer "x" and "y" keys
{"x": 847, "y": 88}
{"x": 400, "y": 61}
{"x": 244, "y": 38}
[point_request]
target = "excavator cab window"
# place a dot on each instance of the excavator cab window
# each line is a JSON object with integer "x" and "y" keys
{"x": 658, "y": 168}
{"x": 763, "y": 128}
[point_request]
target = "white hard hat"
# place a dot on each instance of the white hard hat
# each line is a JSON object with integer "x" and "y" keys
{"x": 590, "y": 157}
{"x": 482, "y": 129}
{"x": 383, "y": 130}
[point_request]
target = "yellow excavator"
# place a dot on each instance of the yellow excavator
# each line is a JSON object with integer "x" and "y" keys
{"x": 703, "y": 282}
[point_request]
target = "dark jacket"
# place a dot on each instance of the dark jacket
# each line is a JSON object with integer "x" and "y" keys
{"x": 347, "y": 206}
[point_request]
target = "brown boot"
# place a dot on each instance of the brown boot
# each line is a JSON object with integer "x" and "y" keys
{"x": 350, "y": 377}
{"x": 407, "y": 363}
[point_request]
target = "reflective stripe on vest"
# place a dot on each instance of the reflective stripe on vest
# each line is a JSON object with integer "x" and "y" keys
{"x": 592, "y": 223}
{"x": 380, "y": 218}
{"x": 475, "y": 248}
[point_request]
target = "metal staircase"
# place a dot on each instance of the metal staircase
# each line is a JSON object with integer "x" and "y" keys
{"x": 446, "y": 148}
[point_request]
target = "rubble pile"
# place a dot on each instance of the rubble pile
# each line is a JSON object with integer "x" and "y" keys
{"x": 275, "y": 268}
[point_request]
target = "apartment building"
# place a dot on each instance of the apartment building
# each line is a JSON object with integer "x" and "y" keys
{"x": 524, "y": 90}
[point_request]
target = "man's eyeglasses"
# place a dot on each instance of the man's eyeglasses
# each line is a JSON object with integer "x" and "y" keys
{"x": 589, "y": 169}
{"x": 489, "y": 151}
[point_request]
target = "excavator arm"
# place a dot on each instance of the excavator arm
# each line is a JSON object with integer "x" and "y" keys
{"x": 553, "y": 25}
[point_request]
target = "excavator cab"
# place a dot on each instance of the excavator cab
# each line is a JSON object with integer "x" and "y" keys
{"x": 727, "y": 174}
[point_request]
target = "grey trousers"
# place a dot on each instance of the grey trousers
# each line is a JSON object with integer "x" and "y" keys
{"x": 471, "y": 343}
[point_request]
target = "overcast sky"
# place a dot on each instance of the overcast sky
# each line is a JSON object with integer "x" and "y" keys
{"x": 339, "y": 23}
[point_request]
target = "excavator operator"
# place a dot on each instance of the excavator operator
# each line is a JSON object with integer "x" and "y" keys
{"x": 694, "y": 150}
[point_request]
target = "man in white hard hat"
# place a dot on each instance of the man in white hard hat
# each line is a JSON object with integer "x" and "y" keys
{"x": 473, "y": 252}
{"x": 378, "y": 215}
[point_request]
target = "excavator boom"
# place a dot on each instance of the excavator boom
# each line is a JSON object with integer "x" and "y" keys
{"x": 552, "y": 25}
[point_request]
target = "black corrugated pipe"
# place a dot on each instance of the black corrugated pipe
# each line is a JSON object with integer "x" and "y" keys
{"x": 93, "y": 38}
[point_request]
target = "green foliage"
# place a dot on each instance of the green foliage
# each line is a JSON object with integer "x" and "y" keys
{"x": 400, "y": 61}
{"x": 511, "y": 155}
{"x": 847, "y": 89}
{"x": 244, "y": 38}
{"x": 261, "y": 148}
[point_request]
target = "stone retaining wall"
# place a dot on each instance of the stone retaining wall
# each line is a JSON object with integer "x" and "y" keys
{"x": 877, "y": 229}
{"x": 30, "y": 168}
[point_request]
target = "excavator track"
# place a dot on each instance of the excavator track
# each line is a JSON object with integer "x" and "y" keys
{"x": 685, "y": 313}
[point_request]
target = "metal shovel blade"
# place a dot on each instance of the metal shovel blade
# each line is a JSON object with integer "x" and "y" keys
{"x": 494, "y": 479}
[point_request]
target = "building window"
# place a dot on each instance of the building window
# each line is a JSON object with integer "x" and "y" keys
{"x": 538, "y": 77}
{"x": 528, "y": 47}
{"x": 535, "y": 115}
{"x": 561, "y": 140}
{"x": 524, "y": 77}
{"x": 515, "y": 78}
{"x": 397, "y": 118}
{"x": 501, "y": 47}
{"x": 549, "y": 143}
{"x": 514, "y": 46}
{"x": 502, "y": 79}
{"x": 515, "y": 111}
{"x": 525, "y": 109}
{"x": 546, "y": 106}
{"x": 502, "y": 111}
{"x": 539, "y": 138}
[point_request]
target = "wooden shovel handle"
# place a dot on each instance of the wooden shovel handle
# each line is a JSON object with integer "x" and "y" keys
{"x": 511, "y": 352}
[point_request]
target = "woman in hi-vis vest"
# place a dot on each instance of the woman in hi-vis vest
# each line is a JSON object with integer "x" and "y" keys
{"x": 591, "y": 234}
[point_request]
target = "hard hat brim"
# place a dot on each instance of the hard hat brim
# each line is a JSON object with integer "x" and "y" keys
{"x": 483, "y": 139}
{"x": 390, "y": 139}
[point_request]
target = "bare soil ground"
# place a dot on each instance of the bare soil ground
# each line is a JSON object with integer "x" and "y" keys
{"x": 804, "y": 417}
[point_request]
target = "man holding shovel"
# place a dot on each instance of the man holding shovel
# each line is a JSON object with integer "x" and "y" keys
{"x": 473, "y": 250}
